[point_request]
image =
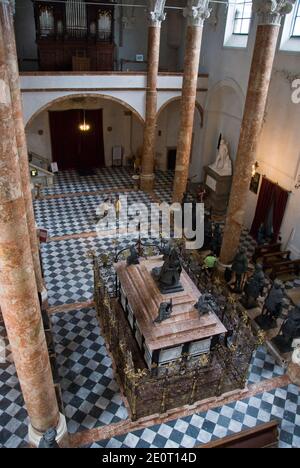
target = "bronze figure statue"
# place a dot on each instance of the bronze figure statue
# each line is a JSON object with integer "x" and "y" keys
{"x": 272, "y": 307}
{"x": 133, "y": 258}
{"x": 239, "y": 269}
{"x": 290, "y": 330}
{"x": 206, "y": 304}
{"x": 49, "y": 440}
{"x": 168, "y": 276}
{"x": 254, "y": 288}
{"x": 165, "y": 311}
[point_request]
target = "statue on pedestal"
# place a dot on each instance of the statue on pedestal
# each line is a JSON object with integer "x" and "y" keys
{"x": 254, "y": 288}
{"x": 49, "y": 440}
{"x": 272, "y": 307}
{"x": 133, "y": 258}
{"x": 296, "y": 352}
{"x": 223, "y": 163}
{"x": 294, "y": 366}
{"x": 290, "y": 330}
{"x": 239, "y": 269}
{"x": 168, "y": 276}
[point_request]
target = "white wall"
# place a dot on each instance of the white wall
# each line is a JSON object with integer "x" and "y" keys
{"x": 223, "y": 115}
{"x": 39, "y": 90}
{"x": 279, "y": 148}
{"x": 127, "y": 130}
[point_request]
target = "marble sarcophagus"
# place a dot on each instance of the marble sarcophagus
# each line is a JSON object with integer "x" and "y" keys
{"x": 185, "y": 332}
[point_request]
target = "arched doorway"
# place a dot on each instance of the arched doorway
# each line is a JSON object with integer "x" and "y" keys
{"x": 168, "y": 129}
{"x": 119, "y": 126}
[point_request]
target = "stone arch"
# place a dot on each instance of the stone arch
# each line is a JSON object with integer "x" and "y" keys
{"x": 178, "y": 98}
{"x": 223, "y": 114}
{"x": 67, "y": 97}
{"x": 226, "y": 83}
{"x": 122, "y": 125}
{"x": 168, "y": 120}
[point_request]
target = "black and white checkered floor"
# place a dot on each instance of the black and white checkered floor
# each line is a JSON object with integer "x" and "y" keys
{"x": 103, "y": 179}
{"x": 198, "y": 429}
{"x": 91, "y": 394}
{"x": 64, "y": 216}
{"x": 92, "y": 397}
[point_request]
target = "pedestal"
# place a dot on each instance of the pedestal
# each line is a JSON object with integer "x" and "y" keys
{"x": 218, "y": 189}
{"x": 62, "y": 434}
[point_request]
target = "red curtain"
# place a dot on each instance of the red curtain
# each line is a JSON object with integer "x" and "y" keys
{"x": 264, "y": 204}
{"x": 280, "y": 201}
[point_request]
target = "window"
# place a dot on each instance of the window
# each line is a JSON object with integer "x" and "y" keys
{"x": 242, "y": 18}
{"x": 238, "y": 23}
{"x": 290, "y": 39}
{"x": 296, "y": 25}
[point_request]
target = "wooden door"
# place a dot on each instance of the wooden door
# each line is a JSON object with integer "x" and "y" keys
{"x": 72, "y": 148}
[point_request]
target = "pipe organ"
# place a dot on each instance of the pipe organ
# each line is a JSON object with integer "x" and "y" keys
{"x": 76, "y": 18}
{"x": 74, "y": 35}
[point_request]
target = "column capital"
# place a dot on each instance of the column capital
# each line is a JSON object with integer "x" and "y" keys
{"x": 156, "y": 14}
{"x": 270, "y": 12}
{"x": 196, "y": 12}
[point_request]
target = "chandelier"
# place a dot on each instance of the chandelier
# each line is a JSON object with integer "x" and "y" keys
{"x": 84, "y": 127}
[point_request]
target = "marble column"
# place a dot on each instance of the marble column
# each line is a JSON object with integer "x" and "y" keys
{"x": 6, "y": 19}
{"x": 196, "y": 12}
{"x": 269, "y": 21}
{"x": 18, "y": 293}
{"x": 155, "y": 17}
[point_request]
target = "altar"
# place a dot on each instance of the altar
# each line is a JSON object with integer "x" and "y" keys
{"x": 185, "y": 333}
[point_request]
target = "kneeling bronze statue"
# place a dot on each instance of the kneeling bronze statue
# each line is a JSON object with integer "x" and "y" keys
{"x": 168, "y": 276}
{"x": 165, "y": 312}
{"x": 206, "y": 304}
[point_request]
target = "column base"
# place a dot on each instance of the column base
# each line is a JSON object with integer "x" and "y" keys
{"x": 221, "y": 268}
{"x": 147, "y": 182}
{"x": 62, "y": 434}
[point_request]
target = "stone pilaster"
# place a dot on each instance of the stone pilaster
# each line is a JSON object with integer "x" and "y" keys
{"x": 196, "y": 12}
{"x": 18, "y": 293}
{"x": 6, "y": 19}
{"x": 155, "y": 17}
{"x": 269, "y": 19}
